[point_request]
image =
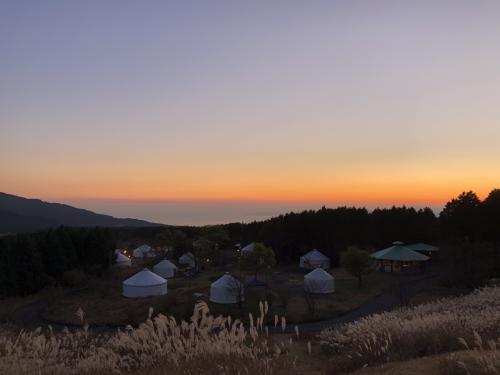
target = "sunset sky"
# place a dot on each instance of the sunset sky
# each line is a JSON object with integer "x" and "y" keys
{"x": 112, "y": 103}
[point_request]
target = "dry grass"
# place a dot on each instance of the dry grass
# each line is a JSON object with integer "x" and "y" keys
{"x": 208, "y": 344}
{"x": 482, "y": 357}
{"x": 414, "y": 332}
{"x": 435, "y": 293}
{"x": 205, "y": 345}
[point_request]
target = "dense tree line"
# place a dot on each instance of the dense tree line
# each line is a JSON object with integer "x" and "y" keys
{"x": 29, "y": 262}
{"x": 467, "y": 230}
{"x": 333, "y": 230}
{"x": 470, "y": 231}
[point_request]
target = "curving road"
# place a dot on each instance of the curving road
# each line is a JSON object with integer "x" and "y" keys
{"x": 388, "y": 300}
{"x": 30, "y": 316}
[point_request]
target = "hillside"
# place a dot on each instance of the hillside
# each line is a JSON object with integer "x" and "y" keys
{"x": 18, "y": 214}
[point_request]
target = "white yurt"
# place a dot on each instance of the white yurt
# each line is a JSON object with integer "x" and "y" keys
{"x": 319, "y": 281}
{"x": 227, "y": 289}
{"x": 165, "y": 269}
{"x": 314, "y": 259}
{"x": 248, "y": 248}
{"x": 188, "y": 260}
{"x": 144, "y": 284}
{"x": 142, "y": 251}
{"x": 123, "y": 260}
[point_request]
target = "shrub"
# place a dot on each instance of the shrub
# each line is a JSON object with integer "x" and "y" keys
{"x": 74, "y": 278}
{"x": 413, "y": 332}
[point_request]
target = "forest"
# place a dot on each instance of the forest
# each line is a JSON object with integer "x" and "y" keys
{"x": 30, "y": 262}
{"x": 467, "y": 230}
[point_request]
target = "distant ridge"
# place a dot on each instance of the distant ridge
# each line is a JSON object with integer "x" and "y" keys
{"x": 18, "y": 214}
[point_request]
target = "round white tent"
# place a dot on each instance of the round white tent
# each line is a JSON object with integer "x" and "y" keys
{"x": 144, "y": 284}
{"x": 188, "y": 259}
{"x": 314, "y": 259}
{"x": 165, "y": 269}
{"x": 227, "y": 289}
{"x": 319, "y": 281}
{"x": 123, "y": 261}
{"x": 142, "y": 251}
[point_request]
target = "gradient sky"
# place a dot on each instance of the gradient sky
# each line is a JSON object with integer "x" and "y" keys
{"x": 348, "y": 102}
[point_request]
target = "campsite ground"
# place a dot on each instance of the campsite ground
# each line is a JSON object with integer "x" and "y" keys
{"x": 103, "y": 304}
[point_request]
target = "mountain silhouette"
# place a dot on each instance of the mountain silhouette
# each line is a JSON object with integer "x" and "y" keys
{"x": 18, "y": 214}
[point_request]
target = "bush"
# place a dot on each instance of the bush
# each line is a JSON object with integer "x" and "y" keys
{"x": 74, "y": 278}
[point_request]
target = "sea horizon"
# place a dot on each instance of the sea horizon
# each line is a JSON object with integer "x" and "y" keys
{"x": 201, "y": 212}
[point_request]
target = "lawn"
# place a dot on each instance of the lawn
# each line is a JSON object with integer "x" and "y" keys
{"x": 103, "y": 304}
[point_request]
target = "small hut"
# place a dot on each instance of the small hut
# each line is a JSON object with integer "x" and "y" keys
{"x": 188, "y": 259}
{"x": 123, "y": 261}
{"x": 319, "y": 282}
{"x": 144, "y": 284}
{"x": 143, "y": 251}
{"x": 227, "y": 290}
{"x": 314, "y": 259}
{"x": 165, "y": 269}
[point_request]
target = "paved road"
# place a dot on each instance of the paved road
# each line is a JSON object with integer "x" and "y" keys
{"x": 29, "y": 316}
{"x": 386, "y": 301}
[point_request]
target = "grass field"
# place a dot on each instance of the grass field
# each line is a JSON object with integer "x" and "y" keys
{"x": 451, "y": 336}
{"x": 394, "y": 341}
{"x": 103, "y": 303}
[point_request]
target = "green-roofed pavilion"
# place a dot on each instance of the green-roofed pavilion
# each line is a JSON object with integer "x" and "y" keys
{"x": 423, "y": 248}
{"x": 397, "y": 258}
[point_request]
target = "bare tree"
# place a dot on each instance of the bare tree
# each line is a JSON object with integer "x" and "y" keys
{"x": 310, "y": 299}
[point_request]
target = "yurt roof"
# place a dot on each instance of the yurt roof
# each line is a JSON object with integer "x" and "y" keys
{"x": 401, "y": 253}
{"x": 422, "y": 247}
{"x": 144, "y": 248}
{"x": 315, "y": 255}
{"x": 319, "y": 274}
{"x": 189, "y": 256}
{"x": 248, "y": 247}
{"x": 121, "y": 258}
{"x": 226, "y": 281}
{"x": 145, "y": 278}
{"x": 166, "y": 264}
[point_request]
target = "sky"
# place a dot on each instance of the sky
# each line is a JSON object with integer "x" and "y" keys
{"x": 232, "y": 110}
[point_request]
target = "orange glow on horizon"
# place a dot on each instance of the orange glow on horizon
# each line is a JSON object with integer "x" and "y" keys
{"x": 376, "y": 196}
